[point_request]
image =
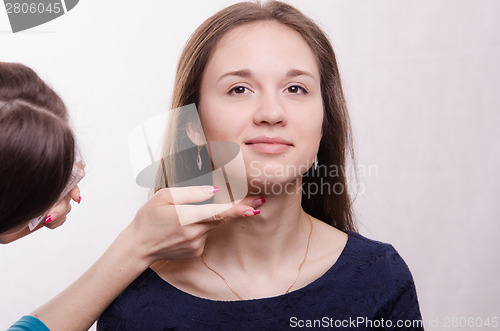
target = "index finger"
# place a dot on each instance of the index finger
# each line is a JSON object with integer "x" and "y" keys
{"x": 182, "y": 195}
{"x": 189, "y": 214}
{"x": 75, "y": 194}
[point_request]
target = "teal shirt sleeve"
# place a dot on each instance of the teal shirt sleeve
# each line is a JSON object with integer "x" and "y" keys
{"x": 28, "y": 323}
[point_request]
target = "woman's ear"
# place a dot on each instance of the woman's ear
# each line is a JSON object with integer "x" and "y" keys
{"x": 195, "y": 134}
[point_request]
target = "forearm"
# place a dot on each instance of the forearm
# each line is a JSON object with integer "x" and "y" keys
{"x": 78, "y": 306}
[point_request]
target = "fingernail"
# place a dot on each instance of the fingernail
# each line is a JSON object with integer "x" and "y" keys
{"x": 251, "y": 212}
{"x": 51, "y": 217}
{"x": 258, "y": 202}
{"x": 79, "y": 199}
{"x": 211, "y": 189}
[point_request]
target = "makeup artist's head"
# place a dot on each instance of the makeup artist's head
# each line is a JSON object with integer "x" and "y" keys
{"x": 37, "y": 146}
{"x": 259, "y": 72}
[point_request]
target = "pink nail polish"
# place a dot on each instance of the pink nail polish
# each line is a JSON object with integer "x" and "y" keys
{"x": 210, "y": 189}
{"x": 79, "y": 199}
{"x": 48, "y": 219}
{"x": 251, "y": 213}
{"x": 258, "y": 202}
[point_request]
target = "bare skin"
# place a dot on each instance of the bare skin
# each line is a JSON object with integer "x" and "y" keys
{"x": 193, "y": 277}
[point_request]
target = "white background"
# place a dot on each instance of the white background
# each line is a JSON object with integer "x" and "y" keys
{"x": 422, "y": 83}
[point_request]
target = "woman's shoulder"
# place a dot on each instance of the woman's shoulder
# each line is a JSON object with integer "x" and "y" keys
{"x": 374, "y": 264}
{"x": 374, "y": 278}
{"x": 365, "y": 241}
{"x": 353, "y": 248}
{"x": 370, "y": 253}
{"x": 367, "y": 245}
{"x": 350, "y": 256}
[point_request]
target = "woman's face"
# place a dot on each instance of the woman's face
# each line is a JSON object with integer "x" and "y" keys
{"x": 261, "y": 90}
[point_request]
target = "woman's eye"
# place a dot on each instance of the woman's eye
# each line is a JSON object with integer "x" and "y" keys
{"x": 296, "y": 89}
{"x": 238, "y": 90}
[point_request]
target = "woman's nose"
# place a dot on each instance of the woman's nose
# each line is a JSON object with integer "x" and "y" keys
{"x": 270, "y": 111}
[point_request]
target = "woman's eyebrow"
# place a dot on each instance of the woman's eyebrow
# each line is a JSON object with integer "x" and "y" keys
{"x": 245, "y": 73}
{"x": 240, "y": 73}
{"x": 298, "y": 72}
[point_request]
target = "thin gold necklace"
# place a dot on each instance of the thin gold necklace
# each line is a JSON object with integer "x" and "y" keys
{"x": 289, "y": 287}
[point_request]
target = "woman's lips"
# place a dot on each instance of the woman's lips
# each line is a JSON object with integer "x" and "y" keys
{"x": 269, "y": 148}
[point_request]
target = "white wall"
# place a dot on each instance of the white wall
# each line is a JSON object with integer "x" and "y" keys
{"x": 421, "y": 79}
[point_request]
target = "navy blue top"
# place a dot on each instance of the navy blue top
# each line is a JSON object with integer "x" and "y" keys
{"x": 370, "y": 286}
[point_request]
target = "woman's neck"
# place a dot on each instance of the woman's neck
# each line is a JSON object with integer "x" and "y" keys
{"x": 274, "y": 238}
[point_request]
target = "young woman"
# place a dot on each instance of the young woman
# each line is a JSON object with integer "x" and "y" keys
{"x": 264, "y": 76}
{"x": 36, "y": 158}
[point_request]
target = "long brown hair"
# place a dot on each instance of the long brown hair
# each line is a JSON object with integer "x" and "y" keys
{"x": 37, "y": 146}
{"x": 336, "y": 143}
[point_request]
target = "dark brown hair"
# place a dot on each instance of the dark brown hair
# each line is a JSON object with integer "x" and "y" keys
{"x": 335, "y": 145}
{"x": 37, "y": 146}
